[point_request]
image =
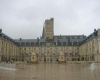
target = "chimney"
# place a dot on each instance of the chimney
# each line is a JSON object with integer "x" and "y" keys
{"x": 52, "y": 19}
{"x": 20, "y": 39}
{"x": 37, "y": 39}
{"x": 0, "y": 30}
{"x": 94, "y": 30}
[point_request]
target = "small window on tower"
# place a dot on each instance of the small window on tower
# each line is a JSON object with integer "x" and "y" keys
{"x": 47, "y": 38}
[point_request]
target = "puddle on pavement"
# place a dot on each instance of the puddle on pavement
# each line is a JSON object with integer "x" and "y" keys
{"x": 50, "y": 71}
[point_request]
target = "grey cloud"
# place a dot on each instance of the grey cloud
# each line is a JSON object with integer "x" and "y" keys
{"x": 25, "y": 18}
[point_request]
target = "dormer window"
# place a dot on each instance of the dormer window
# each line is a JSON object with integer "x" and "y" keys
{"x": 75, "y": 37}
{"x": 0, "y": 35}
{"x": 27, "y": 43}
{"x": 34, "y": 43}
{"x": 64, "y": 37}
{"x": 81, "y": 37}
{"x": 70, "y": 37}
{"x": 62, "y": 43}
{"x": 72, "y": 43}
{"x": 56, "y": 43}
{"x": 55, "y": 37}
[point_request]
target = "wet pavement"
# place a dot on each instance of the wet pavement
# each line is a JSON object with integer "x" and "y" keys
{"x": 50, "y": 71}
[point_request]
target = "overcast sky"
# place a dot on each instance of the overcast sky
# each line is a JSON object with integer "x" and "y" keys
{"x": 25, "y": 18}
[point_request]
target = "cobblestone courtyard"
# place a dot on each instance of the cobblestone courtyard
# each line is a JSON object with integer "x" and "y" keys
{"x": 50, "y": 71}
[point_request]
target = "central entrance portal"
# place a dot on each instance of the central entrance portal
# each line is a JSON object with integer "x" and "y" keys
{"x": 48, "y": 51}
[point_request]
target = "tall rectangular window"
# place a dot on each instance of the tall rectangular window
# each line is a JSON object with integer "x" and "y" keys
{"x": 39, "y": 49}
{"x": 72, "y": 43}
{"x": 44, "y": 49}
{"x": 56, "y": 43}
{"x": 56, "y": 49}
{"x": 29, "y": 48}
{"x": 51, "y": 49}
{"x": 61, "y": 49}
{"x": 24, "y": 48}
{"x": 2, "y": 42}
{"x": 34, "y": 49}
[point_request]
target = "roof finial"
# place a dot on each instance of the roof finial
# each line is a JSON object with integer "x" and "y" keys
{"x": 0, "y": 30}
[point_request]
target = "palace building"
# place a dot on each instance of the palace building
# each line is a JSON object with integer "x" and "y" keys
{"x": 50, "y": 47}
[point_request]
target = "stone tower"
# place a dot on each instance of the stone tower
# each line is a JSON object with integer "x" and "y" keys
{"x": 48, "y": 29}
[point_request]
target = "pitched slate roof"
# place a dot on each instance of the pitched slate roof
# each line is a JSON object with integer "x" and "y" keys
{"x": 66, "y": 40}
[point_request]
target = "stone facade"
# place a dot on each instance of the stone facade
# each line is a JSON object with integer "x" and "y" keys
{"x": 48, "y": 47}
